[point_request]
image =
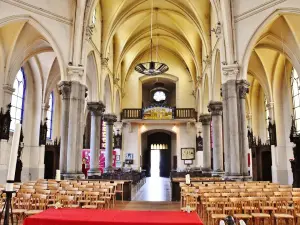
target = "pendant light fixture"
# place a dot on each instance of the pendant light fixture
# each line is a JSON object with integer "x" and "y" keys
{"x": 152, "y": 68}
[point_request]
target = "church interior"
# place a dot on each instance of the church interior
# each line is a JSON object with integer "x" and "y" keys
{"x": 184, "y": 110}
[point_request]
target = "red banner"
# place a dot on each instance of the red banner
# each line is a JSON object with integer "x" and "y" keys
{"x": 86, "y": 159}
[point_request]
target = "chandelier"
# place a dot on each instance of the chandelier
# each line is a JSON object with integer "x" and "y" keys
{"x": 152, "y": 68}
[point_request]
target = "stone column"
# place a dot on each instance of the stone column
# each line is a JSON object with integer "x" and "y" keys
{"x": 97, "y": 109}
{"x": 109, "y": 119}
{"x": 205, "y": 120}
{"x": 64, "y": 90}
{"x": 75, "y": 133}
{"x": 231, "y": 121}
{"x": 243, "y": 89}
{"x": 216, "y": 112}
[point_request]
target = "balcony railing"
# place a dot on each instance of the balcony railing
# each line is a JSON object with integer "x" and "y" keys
{"x": 177, "y": 113}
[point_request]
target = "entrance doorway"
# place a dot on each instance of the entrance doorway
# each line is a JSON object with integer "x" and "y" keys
{"x": 155, "y": 159}
{"x": 157, "y": 153}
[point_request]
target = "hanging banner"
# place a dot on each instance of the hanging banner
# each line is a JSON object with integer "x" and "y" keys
{"x": 86, "y": 159}
{"x": 158, "y": 113}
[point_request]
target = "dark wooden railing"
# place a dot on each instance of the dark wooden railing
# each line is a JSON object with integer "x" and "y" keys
{"x": 185, "y": 113}
{"x": 178, "y": 113}
{"x": 132, "y": 114}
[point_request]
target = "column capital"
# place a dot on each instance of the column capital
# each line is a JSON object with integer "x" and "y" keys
{"x": 7, "y": 88}
{"x": 97, "y": 108}
{"x": 270, "y": 105}
{"x": 215, "y": 107}
{"x": 64, "y": 88}
{"x": 243, "y": 88}
{"x": 205, "y": 119}
{"x": 231, "y": 71}
{"x": 249, "y": 116}
{"x": 110, "y": 118}
{"x": 104, "y": 62}
{"x": 75, "y": 71}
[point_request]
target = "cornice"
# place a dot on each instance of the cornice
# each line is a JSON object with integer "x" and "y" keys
{"x": 257, "y": 10}
{"x": 37, "y": 10}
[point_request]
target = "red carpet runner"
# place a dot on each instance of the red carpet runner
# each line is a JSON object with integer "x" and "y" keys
{"x": 111, "y": 217}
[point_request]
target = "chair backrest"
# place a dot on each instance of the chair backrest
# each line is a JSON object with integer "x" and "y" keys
{"x": 39, "y": 201}
{"x": 281, "y": 204}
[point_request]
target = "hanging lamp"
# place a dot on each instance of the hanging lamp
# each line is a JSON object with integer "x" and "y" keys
{"x": 151, "y": 68}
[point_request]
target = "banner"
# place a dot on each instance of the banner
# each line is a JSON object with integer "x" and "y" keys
{"x": 86, "y": 159}
{"x": 158, "y": 113}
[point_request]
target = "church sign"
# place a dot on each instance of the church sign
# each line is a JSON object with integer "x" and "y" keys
{"x": 158, "y": 113}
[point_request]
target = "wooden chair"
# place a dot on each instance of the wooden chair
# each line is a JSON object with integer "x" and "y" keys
{"x": 120, "y": 189}
{"x": 91, "y": 199}
{"x": 283, "y": 212}
{"x": 215, "y": 210}
{"x": 296, "y": 203}
{"x": 255, "y": 207}
{"x": 38, "y": 204}
{"x": 237, "y": 205}
{"x": 21, "y": 204}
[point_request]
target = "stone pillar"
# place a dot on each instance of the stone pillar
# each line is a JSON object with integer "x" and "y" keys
{"x": 205, "y": 120}
{"x": 231, "y": 122}
{"x": 109, "y": 119}
{"x": 75, "y": 133}
{"x": 243, "y": 89}
{"x": 45, "y": 109}
{"x": 270, "y": 107}
{"x": 64, "y": 90}
{"x": 97, "y": 109}
{"x": 216, "y": 112}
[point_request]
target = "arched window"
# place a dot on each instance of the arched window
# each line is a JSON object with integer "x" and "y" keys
{"x": 267, "y": 116}
{"x": 50, "y": 116}
{"x": 17, "y": 100}
{"x": 94, "y": 17}
{"x": 295, "y": 85}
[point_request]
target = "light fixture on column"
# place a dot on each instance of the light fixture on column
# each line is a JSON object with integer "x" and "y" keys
{"x": 152, "y": 68}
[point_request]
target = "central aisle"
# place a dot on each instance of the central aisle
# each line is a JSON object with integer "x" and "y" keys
{"x": 155, "y": 189}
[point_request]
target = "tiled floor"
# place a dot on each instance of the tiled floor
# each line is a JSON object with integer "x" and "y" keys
{"x": 155, "y": 189}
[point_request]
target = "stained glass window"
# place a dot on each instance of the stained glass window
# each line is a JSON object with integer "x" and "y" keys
{"x": 50, "y": 116}
{"x": 17, "y": 100}
{"x": 295, "y": 85}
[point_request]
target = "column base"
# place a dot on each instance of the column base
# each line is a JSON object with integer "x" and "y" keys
{"x": 72, "y": 176}
{"x": 206, "y": 169}
{"x": 109, "y": 169}
{"x": 218, "y": 173}
{"x": 94, "y": 172}
{"x": 237, "y": 177}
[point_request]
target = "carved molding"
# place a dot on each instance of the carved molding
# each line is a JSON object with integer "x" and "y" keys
{"x": 75, "y": 71}
{"x": 64, "y": 88}
{"x": 8, "y": 89}
{"x": 215, "y": 108}
{"x": 89, "y": 32}
{"x": 104, "y": 62}
{"x": 38, "y": 10}
{"x": 257, "y": 10}
{"x": 243, "y": 88}
{"x": 205, "y": 119}
{"x": 217, "y": 30}
{"x": 231, "y": 71}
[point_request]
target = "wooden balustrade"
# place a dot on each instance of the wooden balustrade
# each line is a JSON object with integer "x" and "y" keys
{"x": 178, "y": 113}
{"x": 132, "y": 114}
{"x": 185, "y": 113}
